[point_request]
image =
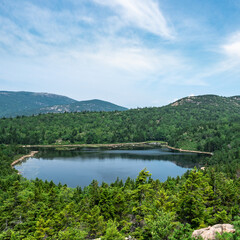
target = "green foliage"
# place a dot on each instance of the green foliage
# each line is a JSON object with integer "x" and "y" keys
{"x": 112, "y": 232}
{"x": 204, "y": 123}
{"x": 181, "y": 231}
{"x": 142, "y": 208}
{"x": 162, "y": 225}
{"x": 72, "y": 234}
{"x": 195, "y": 197}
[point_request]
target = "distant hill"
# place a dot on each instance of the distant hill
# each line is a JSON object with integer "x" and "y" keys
{"x": 199, "y": 198}
{"x": 204, "y": 123}
{"x": 14, "y": 104}
{"x": 211, "y": 105}
{"x": 209, "y": 100}
{"x": 91, "y": 106}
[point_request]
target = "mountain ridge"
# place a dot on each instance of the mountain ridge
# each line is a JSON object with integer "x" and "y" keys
{"x": 193, "y": 125}
{"x": 25, "y": 103}
{"x": 209, "y": 99}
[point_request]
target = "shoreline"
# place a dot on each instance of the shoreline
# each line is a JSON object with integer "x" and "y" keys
{"x": 190, "y": 151}
{"x": 111, "y": 145}
{"x": 118, "y": 145}
{"x": 31, "y": 154}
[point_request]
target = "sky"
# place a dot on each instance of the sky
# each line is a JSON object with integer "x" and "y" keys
{"x": 134, "y": 53}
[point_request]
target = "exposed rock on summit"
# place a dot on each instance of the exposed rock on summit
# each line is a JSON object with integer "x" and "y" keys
{"x": 210, "y": 233}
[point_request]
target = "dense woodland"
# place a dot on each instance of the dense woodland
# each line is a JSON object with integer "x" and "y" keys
{"x": 142, "y": 208}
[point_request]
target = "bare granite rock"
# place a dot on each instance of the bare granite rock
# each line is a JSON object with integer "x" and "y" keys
{"x": 209, "y": 233}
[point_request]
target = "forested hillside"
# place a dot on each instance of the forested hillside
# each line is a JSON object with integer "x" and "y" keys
{"x": 81, "y": 106}
{"x": 205, "y": 123}
{"x": 142, "y": 208}
{"x": 27, "y": 103}
{"x": 14, "y": 104}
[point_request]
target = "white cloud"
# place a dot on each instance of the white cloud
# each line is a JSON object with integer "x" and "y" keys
{"x": 140, "y": 63}
{"x": 144, "y": 14}
{"x": 52, "y": 52}
{"x": 110, "y": 51}
{"x": 227, "y": 65}
{"x": 232, "y": 47}
{"x": 229, "y": 61}
{"x": 135, "y": 59}
{"x": 36, "y": 30}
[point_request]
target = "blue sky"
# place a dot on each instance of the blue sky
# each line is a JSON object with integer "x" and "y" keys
{"x": 134, "y": 53}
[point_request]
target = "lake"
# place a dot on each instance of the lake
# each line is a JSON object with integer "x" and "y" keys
{"x": 79, "y": 167}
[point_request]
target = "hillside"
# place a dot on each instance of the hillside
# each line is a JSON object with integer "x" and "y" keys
{"x": 142, "y": 208}
{"x": 24, "y": 103}
{"x": 210, "y": 101}
{"x": 14, "y": 104}
{"x": 205, "y": 123}
{"x": 90, "y": 106}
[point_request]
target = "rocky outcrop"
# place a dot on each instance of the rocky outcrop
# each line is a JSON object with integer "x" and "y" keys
{"x": 210, "y": 233}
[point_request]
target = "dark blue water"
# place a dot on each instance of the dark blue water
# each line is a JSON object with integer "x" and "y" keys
{"x": 80, "y": 167}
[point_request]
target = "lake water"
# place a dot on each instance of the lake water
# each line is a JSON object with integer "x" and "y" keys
{"x": 80, "y": 167}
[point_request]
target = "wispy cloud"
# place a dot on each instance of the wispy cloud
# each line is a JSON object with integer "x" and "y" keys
{"x": 114, "y": 48}
{"x": 141, "y": 13}
{"x": 36, "y": 30}
{"x": 230, "y": 55}
{"x": 135, "y": 58}
{"x": 232, "y": 47}
{"x": 43, "y": 32}
{"x": 227, "y": 63}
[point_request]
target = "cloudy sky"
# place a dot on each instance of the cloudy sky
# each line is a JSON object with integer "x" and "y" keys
{"x": 134, "y": 53}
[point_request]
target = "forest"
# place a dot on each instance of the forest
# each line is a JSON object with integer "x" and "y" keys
{"x": 142, "y": 208}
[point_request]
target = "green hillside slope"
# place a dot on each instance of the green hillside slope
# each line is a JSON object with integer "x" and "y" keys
{"x": 14, "y": 104}
{"x": 142, "y": 208}
{"x": 26, "y": 103}
{"x": 205, "y": 123}
{"x": 90, "y": 106}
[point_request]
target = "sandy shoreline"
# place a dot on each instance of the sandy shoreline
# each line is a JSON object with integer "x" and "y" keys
{"x": 31, "y": 154}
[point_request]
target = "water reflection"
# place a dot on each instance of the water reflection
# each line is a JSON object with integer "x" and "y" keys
{"x": 80, "y": 166}
{"x": 183, "y": 159}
